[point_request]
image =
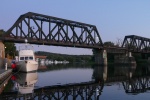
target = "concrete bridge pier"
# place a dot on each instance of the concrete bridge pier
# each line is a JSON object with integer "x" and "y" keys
{"x": 126, "y": 59}
{"x": 100, "y": 57}
{"x": 149, "y": 60}
{"x": 129, "y": 54}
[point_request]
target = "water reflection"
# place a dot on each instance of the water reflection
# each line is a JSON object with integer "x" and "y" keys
{"x": 124, "y": 70}
{"x": 136, "y": 85}
{"x": 80, "y": 91}
{"x": 25, "y": 82}
{"x": 133, "y": 79}
{"x": 100, "y": 73}
{"x": 139, "y": 82}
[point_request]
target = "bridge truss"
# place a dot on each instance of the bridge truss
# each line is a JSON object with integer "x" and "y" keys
{"x": 48, "y": 30}
{"x": 136, "y": 43}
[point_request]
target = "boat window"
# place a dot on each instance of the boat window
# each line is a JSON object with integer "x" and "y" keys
{"x": 21, "y": 58}
{"x": 26, "y": 58}
{"x": 30, "y": 58}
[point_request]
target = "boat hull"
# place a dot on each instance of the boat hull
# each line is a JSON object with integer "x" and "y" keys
{"x": 27, "y": 66}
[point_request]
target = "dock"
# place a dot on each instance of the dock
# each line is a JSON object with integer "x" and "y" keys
{"x": 5, "y": 75}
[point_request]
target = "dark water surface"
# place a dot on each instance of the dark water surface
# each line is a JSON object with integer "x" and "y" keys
{"x": 80, "y": 82}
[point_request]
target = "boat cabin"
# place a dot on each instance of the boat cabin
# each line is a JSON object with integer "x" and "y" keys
{"x": 26, "y": 55}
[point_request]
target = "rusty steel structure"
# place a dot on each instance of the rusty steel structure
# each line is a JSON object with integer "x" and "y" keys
{"x": 135, "y": 43}
{"x": 48, "y": 30}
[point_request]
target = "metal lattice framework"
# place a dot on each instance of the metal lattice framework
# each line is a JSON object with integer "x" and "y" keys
{"x": 136, "y": 43}
{"x": 48, "y": 30}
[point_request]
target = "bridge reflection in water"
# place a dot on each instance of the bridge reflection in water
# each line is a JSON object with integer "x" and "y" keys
{"x": 131, "y": 80}
{"x": 26, "y": 81}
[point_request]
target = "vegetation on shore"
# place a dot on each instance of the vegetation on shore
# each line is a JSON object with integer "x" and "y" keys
{"x": 10, "y": 48}
{"x": 62, "y": 57}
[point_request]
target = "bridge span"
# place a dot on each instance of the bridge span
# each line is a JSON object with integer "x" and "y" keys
{"x": 48, "y": 30}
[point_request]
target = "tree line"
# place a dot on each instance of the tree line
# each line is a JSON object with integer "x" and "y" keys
{"x": 62, "y": 57}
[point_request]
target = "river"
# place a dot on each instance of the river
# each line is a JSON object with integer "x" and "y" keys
{"x": 80, "y": 82}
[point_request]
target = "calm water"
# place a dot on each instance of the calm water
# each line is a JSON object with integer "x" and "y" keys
{"x": 80, "y": 82}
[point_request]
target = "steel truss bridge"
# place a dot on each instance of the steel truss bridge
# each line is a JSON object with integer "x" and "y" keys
{"x": 48, "y": 30}
{"x": 43, "y": 29}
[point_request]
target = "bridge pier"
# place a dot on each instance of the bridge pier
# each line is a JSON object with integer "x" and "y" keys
{"x": 100, "y": 57}
{"x": 126, "y": 59}
{"x": 149, "y": 60}
{"x": 129, "y": 54}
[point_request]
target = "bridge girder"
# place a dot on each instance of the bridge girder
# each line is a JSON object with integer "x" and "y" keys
{"x": 48, "y": 30}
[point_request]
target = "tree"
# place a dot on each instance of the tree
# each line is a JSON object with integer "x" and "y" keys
{"x": 119, "y": 42}
{"x": 109, "y": 44}
{"x": 1, "y": 32}
{"x": 10, "y": 48}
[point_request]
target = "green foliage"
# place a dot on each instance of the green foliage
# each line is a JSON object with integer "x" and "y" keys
{"x": 2, "y": 32}
{"x": 10, "y": 48}
{"x": 62, "y": 57}
{"x": 109, "y": 44}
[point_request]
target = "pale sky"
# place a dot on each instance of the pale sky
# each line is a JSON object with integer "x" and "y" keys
{"x": 114, "y": 18}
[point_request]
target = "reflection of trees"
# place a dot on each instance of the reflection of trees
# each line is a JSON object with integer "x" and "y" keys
{"x": 64, "y": 66}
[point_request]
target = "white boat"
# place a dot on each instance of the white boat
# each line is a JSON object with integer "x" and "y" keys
{"x": 26, "y": 60}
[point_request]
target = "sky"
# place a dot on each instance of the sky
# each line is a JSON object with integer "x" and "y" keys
{"x": 114, "y": 19}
